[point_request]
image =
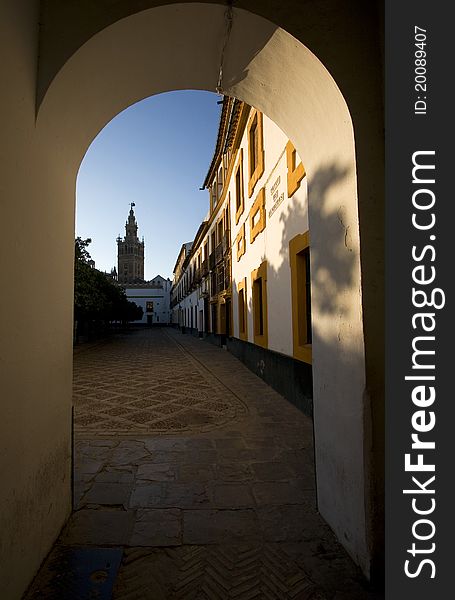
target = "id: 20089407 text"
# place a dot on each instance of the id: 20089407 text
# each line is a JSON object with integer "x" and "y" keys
{"x": 420, "y": 70}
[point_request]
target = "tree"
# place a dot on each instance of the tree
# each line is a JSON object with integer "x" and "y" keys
{"x": 98, "y": 299}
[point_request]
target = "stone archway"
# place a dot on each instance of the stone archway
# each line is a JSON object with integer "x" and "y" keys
{"x": 85, "y": 79}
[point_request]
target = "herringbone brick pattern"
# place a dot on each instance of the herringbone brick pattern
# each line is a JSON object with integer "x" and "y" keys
{"x": 240, "y": 572}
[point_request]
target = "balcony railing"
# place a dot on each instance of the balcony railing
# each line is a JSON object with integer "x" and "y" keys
{"x": 204, "y": 268}
{"x": 226, "y": 242}
{"x": 220, "y": 281}
{"x": 227, "y": 281}
{"x": 219, "y": 253}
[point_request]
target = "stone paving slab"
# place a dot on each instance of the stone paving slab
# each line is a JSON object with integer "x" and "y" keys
{"x": 217, "y": 526}
{"x": 159, "y": 527}
{"x": 101, "y": 527}
{"x": 102, "y": 493}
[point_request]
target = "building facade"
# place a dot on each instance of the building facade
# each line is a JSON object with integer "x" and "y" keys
{"x": 245, "y": 280}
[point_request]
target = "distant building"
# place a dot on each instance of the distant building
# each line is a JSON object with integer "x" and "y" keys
{"x": 154, "y": 295}
{"x": 154, "y": 298}
{"x": 130, "y": 253}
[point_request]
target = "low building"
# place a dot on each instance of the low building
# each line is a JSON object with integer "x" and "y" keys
{"x": 244, "y": 281}
{"x": 154, "y": 298}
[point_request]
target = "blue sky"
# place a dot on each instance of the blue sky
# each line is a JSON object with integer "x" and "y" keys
{"x": 156, "y": 154}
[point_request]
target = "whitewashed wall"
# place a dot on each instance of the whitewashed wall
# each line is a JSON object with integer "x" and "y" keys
{"x": 285, "y": 218}
{"x": 188, "y": 303}
{"x": 160, "y": 298}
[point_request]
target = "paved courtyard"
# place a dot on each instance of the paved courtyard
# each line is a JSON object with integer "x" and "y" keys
{"x": 193, "y": 480}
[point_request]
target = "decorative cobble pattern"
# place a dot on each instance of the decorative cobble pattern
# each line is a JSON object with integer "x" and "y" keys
{"x": 153, "y": 386}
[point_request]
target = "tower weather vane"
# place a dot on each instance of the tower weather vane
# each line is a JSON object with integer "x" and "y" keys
{"x": 132, "y": 204}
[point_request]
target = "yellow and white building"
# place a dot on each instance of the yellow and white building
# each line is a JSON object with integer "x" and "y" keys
{"x": 245, "y": 280}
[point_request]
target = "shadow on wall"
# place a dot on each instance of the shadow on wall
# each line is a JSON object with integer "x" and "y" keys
{"x": 332, "y": 278}
{"x": 338, "y": 349}
{"x": 332, "y": 271}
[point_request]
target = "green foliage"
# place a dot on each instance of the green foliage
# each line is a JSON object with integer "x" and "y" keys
{"x": 97, "y": 297}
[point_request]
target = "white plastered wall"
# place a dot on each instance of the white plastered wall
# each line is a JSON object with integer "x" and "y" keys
{"x": 159, "y": 297}
{"x": 283, "y": 222}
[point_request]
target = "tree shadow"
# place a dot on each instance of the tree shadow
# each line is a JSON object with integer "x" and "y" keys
{"x": 333, "y": 282}
{"x": 333, "y": 259}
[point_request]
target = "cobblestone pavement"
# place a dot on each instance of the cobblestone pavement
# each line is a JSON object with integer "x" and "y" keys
{"x": 150, "y": 386}
{"x": 200, "y": 475}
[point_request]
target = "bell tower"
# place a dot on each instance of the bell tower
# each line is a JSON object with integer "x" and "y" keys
{"x": 130, "y": 253}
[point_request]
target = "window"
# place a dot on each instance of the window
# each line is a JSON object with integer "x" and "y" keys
{"x": 226, "y": 215}
{"x": 239, "y": 197}
{"x": 259, "y": 313}
{"x": 243, "y": 310}
{"x": 255, "y": 151}
{"x": 214, "y": 318}
{"x": 220, "y": 231}
{"x": 219, "y": 180}
{"x": 259, "y": 293}
{"x": 295, "y": 172}
{"x": 227, "y": 222}
{"x": 225, "y": 161}
{"x": 257, "y": 216}
{"x": 213, "y": 196}
{"x": 299, "y": 258}
{"x": 241, "y": 242}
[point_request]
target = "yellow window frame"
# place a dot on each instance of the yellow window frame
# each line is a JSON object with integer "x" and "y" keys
{"x": 242, "y": 287}
{"x": 255, "y": 170}
{"x": 260, "y": 339}
{"x": 239, "y": 192}
{"x": 240, "y": 242}
{"x": 295, "y": 172}
{"x": 258, "y": 207}
{"x": 301, "y": 350}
